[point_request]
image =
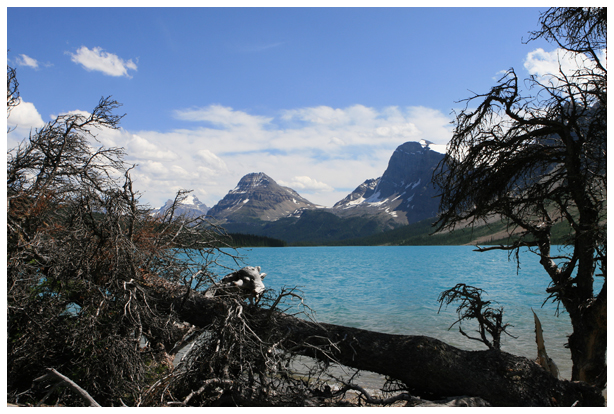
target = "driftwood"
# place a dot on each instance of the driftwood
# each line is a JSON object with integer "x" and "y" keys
{"x": 428, "y": 367}
{"x": 247, "y": 280}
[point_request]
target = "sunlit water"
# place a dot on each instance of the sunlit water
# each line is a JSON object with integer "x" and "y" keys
{"x": 394, "y": 289}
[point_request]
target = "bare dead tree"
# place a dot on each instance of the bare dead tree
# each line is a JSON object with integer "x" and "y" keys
{"x": 81, "y": 253}
{"x": 537, "y": 158}
{"x": 472, "y": 306}
{"x": 576, "y": 29}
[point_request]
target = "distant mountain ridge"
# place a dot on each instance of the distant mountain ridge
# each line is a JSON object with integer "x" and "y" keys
{"x": 362, "y": 193}
{"x": 404, "y": 194}
{"x": 190, "y": 206}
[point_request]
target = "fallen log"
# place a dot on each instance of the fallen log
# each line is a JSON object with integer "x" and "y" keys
{"x": 427, "y": 366}
{"x": 431, "y": 368}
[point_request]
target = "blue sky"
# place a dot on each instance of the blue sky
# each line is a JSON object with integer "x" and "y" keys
{"x": 317, "y": 98}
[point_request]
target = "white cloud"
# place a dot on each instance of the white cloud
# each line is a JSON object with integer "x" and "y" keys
{"x": 25, "y": 60}
{"x": 154, "y": 168}
{"x": 23, "y": 119}
{"x": 325, "y": 115}
{"x": 540, "y": 63}
{"x": 178, "y": 172}
{"x": 25, "y": 115}
{"x": 140, "y": 148}
{"x": 221, "y": 116}
{"x": 544, "y": 64}
{"x": 399, "y": 130}
{"x": 98, "y": 60}
{"x": 306, "y": 183}
{"x": 73, "y": 112}
{"x": 321, "y": 152}
{"x": 212, "y": 161}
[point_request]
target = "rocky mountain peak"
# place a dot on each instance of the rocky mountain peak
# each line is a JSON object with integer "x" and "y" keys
{"x": 404, "y": 191}
{"x": 258, "y": 197}
{"x": 251, "y": 181}
{"x": 411, "y": 165}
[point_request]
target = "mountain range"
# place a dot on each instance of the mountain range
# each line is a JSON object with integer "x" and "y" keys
{"x": 403, "y": 195}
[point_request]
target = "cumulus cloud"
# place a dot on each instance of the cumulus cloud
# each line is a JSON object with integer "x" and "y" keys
{"x": 154, "y": 168}
{"x": 321, "y": 152}
{"x": 142, "y": 148}
{"x": 540, "y": 63}
{"x": 25, "y": 115}
{"x": 306, "y": 183}
{"x": 325, "y": 115}
{"x": 211, "y": 161}
{"x": 23, "y": 119}
{"x": 179, "y": 172}
{"x": 543, "y": 64}
{"x": 25, "y": 60}
{"x": 97, "y": 59}
{"x": 222, "y": 116}
{"x": 73, "y": 112}
{"x": 360, "y": 125}
{"x": 399, "y": 130}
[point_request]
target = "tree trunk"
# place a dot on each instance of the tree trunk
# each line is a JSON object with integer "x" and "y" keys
{"x": 588, "y": 343}
{"x": 428, "y": 367}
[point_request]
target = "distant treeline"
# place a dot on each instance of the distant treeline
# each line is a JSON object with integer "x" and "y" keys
{"x": 251, "y": 240}
{"x": 415, "y": 234}
{"x": 420, "y": 234}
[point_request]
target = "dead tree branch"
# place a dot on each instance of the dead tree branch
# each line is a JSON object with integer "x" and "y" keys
{"x": 63, "y": 380}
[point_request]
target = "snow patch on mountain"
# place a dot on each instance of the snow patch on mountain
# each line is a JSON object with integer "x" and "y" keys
{"x": 440, "y": 148}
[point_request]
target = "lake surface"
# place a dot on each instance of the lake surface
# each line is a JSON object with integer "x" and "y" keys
{"x": 394, "y": 289}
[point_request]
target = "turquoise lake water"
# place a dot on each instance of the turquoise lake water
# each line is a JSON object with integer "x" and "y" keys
{"x": 394, "y": 289}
